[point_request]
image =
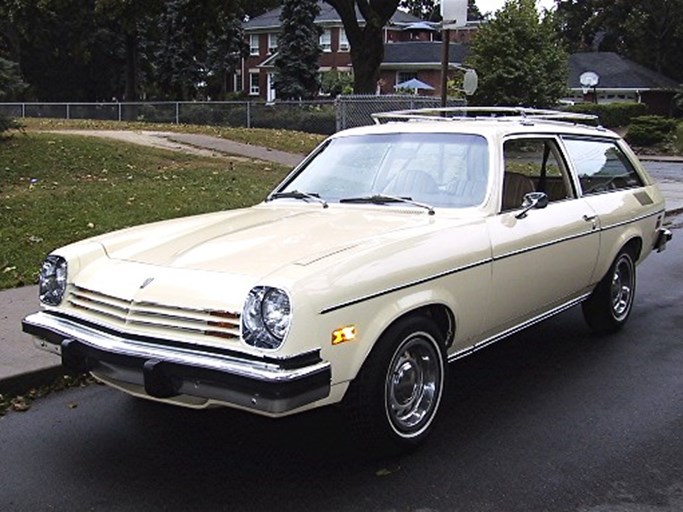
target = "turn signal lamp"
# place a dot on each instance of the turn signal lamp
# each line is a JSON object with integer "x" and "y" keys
{"x": 344, "y": 334}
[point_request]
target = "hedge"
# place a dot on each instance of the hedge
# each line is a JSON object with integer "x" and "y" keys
{"x": 611, "y": 115}
{"x": 651, "y": 130}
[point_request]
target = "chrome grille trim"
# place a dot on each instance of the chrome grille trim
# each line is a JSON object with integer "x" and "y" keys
{"x": 118, "y": 312}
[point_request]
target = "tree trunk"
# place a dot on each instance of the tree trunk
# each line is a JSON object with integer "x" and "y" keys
{"x": 131, "y": 92}
{"x": 366, "y": 58}
{"x": 367, "y": 43}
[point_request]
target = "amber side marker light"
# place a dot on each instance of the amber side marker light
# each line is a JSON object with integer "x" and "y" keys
{"x": 344, "y": 334}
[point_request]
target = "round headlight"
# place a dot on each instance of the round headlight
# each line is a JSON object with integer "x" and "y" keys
{"x": 266, "y": 317}
{"x": 277, "y": 312}
{"x": 53, "y": 274}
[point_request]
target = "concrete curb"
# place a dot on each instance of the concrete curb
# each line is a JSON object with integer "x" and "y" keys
{"x": 24, "y": 382}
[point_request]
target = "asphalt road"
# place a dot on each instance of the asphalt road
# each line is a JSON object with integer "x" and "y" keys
{"x": 664, "y": 170}
{"x": 552, "y": 419}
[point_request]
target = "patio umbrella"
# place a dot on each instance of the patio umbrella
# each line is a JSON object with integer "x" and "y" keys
{"x": 415, "y": 84}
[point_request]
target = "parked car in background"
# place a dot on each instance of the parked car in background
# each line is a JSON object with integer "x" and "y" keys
{"x": 389, "y": 252}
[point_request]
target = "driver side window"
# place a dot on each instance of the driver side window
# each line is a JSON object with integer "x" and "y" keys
{"x": 533, "y": 165}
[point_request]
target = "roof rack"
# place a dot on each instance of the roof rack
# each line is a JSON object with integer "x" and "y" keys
{"x": 453, "y": 113}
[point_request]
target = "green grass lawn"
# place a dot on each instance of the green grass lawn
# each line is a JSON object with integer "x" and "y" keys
{"x": 283, "y": 140}
{"x": 59, "y": 188}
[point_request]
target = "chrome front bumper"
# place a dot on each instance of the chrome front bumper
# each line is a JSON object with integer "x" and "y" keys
{"x": 165, "y": 369}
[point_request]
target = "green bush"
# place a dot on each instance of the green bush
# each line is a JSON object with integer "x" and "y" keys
{"x": 310, "y": 119}
{"x": 611, "y": 115}
{"x": 7, "y": 123}
{"x": 651, "y": 130}
{"x": 217, "y": 114}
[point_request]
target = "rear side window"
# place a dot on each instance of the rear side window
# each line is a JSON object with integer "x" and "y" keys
{"x": 602, "y": 166}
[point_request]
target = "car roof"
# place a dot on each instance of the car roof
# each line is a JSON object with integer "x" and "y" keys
{"x": 499, "y": 122}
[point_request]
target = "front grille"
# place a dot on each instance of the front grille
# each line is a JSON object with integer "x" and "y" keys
{"x": 119, "y": 313}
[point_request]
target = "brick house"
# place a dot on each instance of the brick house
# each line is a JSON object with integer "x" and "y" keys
{"x": 255, "y": 78}
{"x": 417, "y": 59}
{"x": 412, "y": 49}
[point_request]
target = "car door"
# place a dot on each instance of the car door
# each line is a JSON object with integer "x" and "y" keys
{"x": 545, "y": 259}
{"x": 611, "y": 184}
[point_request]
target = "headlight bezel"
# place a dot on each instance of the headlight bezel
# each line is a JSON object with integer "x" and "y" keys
{"x": 266, "y": 317}
{"x": 53, "y": 279}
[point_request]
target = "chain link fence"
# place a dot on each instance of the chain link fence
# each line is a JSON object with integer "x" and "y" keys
{"x": 323, "y": 117}
{"x": 356, "y": 109}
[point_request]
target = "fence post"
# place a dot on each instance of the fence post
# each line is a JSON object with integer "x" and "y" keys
{"x": 23, "y": 110}
{"x": 67, "y": 111}
{"x": 337, "y": 113}
{"x": 177, "y": 112}
{"x": 119, "y": 110}
{"x": 248, "y": 114}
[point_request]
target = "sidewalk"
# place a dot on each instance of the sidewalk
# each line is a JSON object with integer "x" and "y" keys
{"x": 23, "y": 366}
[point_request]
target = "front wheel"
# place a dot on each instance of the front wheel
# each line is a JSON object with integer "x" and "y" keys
{"x": 608, "y": 308}
{"x": 396, "y": 396}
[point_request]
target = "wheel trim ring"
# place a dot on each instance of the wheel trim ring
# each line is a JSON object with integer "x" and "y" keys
{"x": 411, "y": 414}
{"x": 622, "y": 288}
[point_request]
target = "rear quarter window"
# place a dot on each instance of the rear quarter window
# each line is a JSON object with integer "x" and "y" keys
{"x": 601, "y": 166}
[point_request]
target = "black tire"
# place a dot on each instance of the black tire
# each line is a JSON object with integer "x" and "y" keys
{"x": 393, "y": 401}
{"x": 610, "y": 304}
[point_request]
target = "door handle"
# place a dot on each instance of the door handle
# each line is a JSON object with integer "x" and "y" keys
{"x": 590, "y": 218}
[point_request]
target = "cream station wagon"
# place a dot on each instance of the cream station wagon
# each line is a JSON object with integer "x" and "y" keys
{"x": 390, "y": 251}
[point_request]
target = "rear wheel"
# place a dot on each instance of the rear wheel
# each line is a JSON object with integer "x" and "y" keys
{"x": 396, "y": 396}
{"x": 609, "y": 306}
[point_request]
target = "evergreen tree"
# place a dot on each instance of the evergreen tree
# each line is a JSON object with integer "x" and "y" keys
{"x": 519, "y": 58}
{"x": 11, "y": 83}
{"x": 178, "y": 69}
{"x": 226, "y": 46}
{"x": 296, "y": 66}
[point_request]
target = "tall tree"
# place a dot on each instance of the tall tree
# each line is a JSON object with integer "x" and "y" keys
{"x": 519, "y": 58}
{"x": 649, "y": 33}
{"x": 365, "y": 37}
{"x": 296, "y": 66}
{"x": 226, "y": 46}
{"x": 126, "y": 16}
{"x": 11, "y": 83}
{"x": 178, "y": 65}
{"x": 253, "y": 8}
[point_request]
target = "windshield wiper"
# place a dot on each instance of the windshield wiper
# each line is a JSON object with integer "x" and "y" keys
{"x": 295, "y": 194}
{"x": 384, "y": 199}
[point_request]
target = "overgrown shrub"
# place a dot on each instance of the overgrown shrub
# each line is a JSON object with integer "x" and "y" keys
{"x": 611, "y": 115}
{"x": 651, "y": 130}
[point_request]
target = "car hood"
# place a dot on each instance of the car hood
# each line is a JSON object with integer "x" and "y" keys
{"x": 258, "y": 240}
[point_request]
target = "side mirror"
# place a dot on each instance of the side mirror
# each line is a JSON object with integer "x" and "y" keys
{"x": 533, "y": 200}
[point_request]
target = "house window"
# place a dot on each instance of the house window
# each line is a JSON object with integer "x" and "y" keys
{"x": 404, "y": 76}
{"x": 254, "y": 44}
{"x": 344, "y": 45}
{"x": 272, "y": 42}
{"x": 254, "y": 89}
{"x": 238, "y": 85}
{"x": 326, "y": 40}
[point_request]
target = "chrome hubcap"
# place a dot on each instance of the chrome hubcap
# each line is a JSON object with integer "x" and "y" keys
{"x": 622, "y": 287}
{"x": 413, "y": 384}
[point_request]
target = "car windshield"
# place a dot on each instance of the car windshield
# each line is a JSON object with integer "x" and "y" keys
{"x": 437, "y": 169}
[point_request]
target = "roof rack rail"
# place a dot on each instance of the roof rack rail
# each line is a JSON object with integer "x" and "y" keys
{"x": 452, "y": 113}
